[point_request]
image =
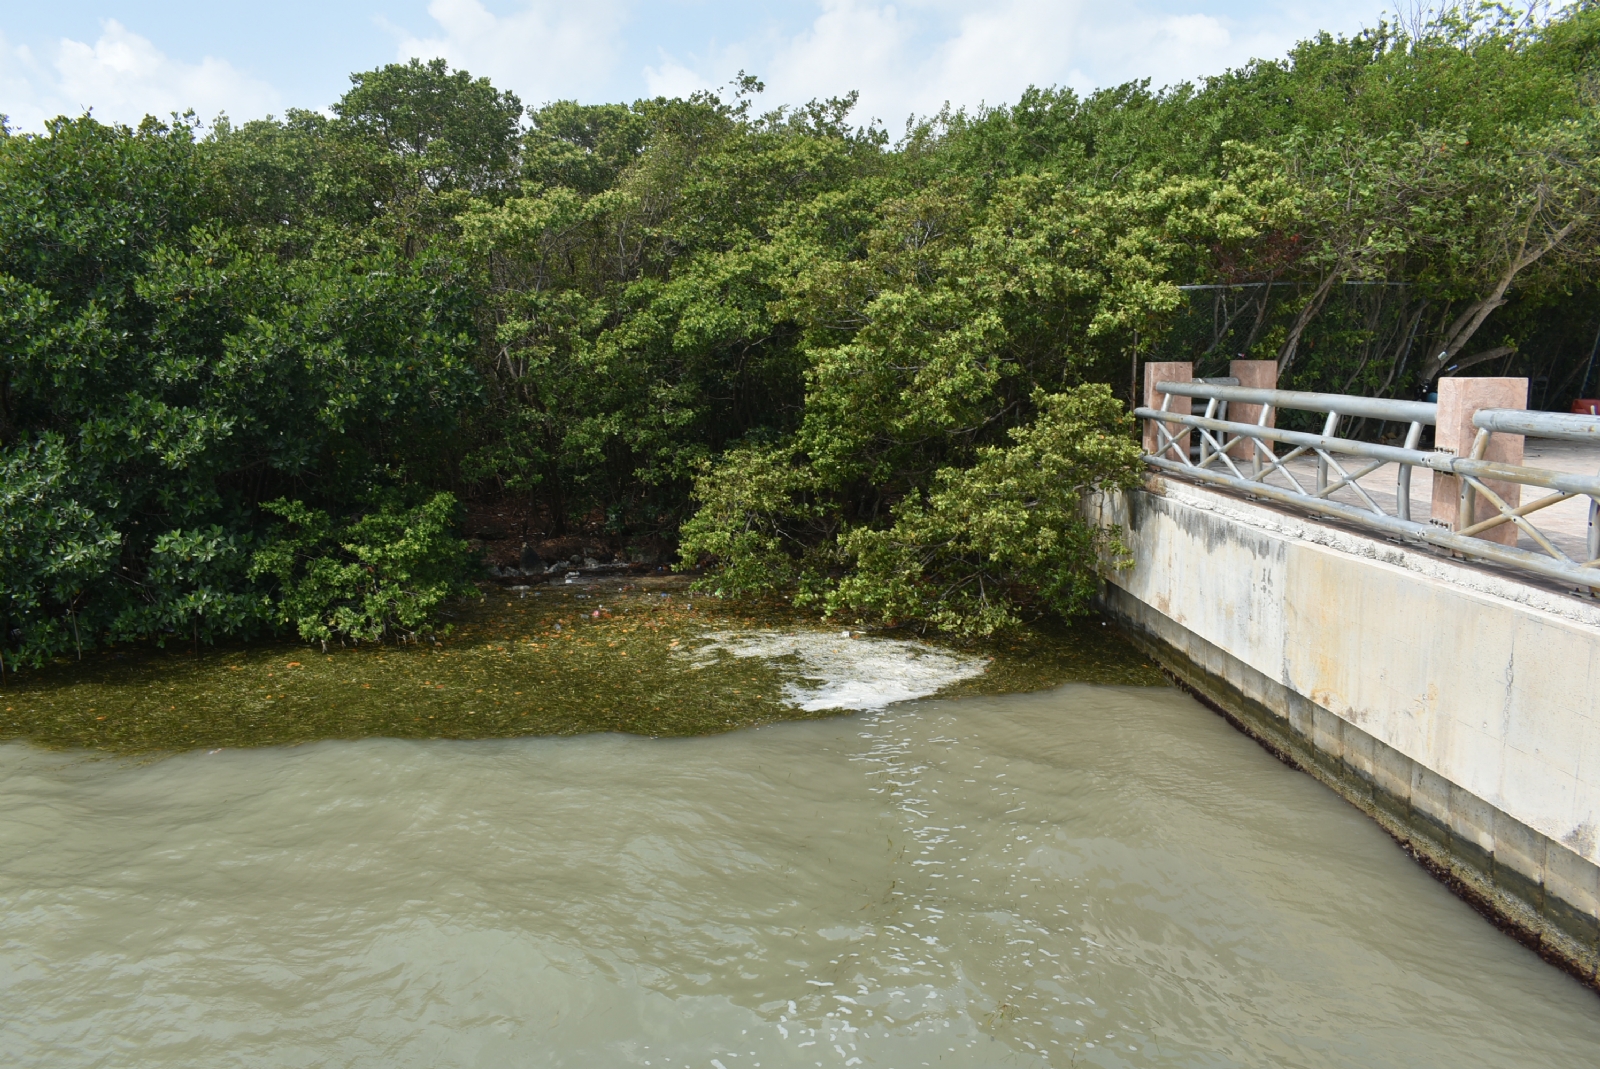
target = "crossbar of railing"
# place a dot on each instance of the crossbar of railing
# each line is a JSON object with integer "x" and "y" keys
{"x": 1562, "y": 425}
{"x": 1424, "y": 412}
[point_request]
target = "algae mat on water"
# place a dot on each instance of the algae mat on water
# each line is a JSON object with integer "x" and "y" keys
{"x": 642, "y": 657}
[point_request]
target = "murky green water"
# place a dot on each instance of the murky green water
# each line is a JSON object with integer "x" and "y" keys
{"x": 1092, "y": 875}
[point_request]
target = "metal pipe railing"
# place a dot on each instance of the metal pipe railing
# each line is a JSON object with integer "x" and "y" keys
{"x": 1539, "y": 564}
{"x": 1444, "y": 463}
{"x": 1562, "y": 425}
{"x": 1219, "y": 437}
{"x": 1424, "y": 412}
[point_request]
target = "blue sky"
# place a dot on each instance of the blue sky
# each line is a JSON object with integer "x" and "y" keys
{"x": 126, "y": 58}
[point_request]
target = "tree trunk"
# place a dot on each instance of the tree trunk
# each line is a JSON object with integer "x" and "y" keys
{"x": 1260, "y": 320}
{"x": 1467, "y": 323}
{"x": 1291, "y": 344}
{"x": 1403, "y": 351}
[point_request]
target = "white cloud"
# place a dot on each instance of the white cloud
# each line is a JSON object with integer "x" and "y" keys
{"x": 1176, "y": 48}
{"x": 18, "y": 92}
{"x": 851, "y": 45}
{"x": 912, "y": 56}
{"x": 673, "y": 79}
{"x": 547, "y": 50}
{"x": 123, "y": 77}
{"x": 905, "y": 56}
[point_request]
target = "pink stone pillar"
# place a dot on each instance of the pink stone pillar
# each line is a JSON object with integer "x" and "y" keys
{"x": 1459, "y": 399}
{"x": 1167, "y": 371}
{"x": 1258, "y": 375}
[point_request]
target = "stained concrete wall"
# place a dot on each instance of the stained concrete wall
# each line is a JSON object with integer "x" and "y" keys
{"x": 1454, "y": 704}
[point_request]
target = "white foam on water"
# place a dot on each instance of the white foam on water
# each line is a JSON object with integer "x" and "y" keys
{"x": 833, "y": 671}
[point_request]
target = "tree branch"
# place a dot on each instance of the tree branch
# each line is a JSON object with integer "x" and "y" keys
{"x": 1467, "y": 324}
{"x": 1478, "y": 358}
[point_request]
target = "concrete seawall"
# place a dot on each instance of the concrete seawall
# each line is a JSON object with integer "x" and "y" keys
{"x": 1453, "y": 704}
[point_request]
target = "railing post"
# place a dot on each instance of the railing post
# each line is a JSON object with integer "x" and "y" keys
{"x": 1594, "y": 531}
{"x": 1257, "y": 375}
{"x": 1330, "y": 429}
{"x": 1167, "y": 371}
{"x": 1459, "y": 400}
{"x": 1402, "y": 488}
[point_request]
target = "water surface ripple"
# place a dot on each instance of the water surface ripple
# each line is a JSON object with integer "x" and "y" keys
{"x": 1089, "y": 876}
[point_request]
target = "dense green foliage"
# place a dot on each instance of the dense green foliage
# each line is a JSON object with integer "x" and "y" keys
{"x": 959, "y": 554}
{"x": 248, "y": 370}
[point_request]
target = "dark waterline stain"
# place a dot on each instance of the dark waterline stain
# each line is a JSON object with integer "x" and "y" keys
{"x": 560, "y": 660}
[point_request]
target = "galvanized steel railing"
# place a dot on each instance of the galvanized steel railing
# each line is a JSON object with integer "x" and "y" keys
{"x": 1220, "y": 441}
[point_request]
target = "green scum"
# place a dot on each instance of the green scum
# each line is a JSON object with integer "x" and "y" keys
{"x": 558, "y": 660}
